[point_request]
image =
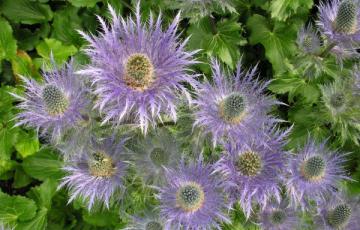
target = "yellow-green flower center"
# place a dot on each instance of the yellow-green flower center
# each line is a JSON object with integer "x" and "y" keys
{"x": 101, "y": 165}
{"x": 249, "y": 164}
{"x": 190, "y": 197}
{"x": 339, "y": 216}
{"x": 55, "y": 100}
{"x": 277, "y": 217}
{"x": 159, "y": 157}
{"x": 139, "y": 72}
{"x": 153, "y": 225}
{"x": 346, "y": 17}
{"x": 232, "y": 108}
{"x": 313, "y": 169}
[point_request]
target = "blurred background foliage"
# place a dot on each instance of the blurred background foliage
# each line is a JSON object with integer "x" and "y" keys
{"x": 257, "y": 31}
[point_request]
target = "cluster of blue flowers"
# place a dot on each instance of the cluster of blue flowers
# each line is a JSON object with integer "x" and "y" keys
{"x": 138, "y": 76}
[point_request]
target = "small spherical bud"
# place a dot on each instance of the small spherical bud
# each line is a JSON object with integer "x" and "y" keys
{"x": 232, "y": 108}
{"x": 313, "y": 169}
{"x": 139, "y": 71}
{"x": 190, "y": 197}
{"x": 337, "y": 100}
{"x": 277, "y": 217}
{"x": 153, "y": 225}
{"x": 54, "y": 99}
{"x": 101, "y": 165}
{"x": 249, "y": 163}
{"x": 346, "y": 18}
{"x": 159, "y": 157}
{"x": 339, "y": 216}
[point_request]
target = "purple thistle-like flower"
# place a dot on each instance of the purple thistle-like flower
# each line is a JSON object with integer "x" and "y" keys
{"x": 154, "y": 152}
{"x": 339, "y": 213}
{"x": 252, "y": 171}
{"x": 233, "y": 107}
{"x": 193, "y": 198}
{"x": 308, "y": 40}
{"x": 279, "y": 216}
{"x": 138, "y": 69}
{"x": 54, "y": 106}
{"x": 340, "y": 22}
{"x": 95, "y": 175}
{"x": 315, "y": 173}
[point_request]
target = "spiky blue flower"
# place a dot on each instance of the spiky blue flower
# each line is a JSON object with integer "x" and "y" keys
{"x": 339, "y": 213}
{"x": 340, "y": 22}
{"x": 279, "y": 216}
{"x": 314, "y": 173}
{"x": 149, "y": 222}
{"x": 234, "y": 107}
{"x": 55, "y": 105}
{"x": 308, "y": 40}
{"x": 192, "y": 198}
{"x": 253, "y": 170}
{"x": 96, "y": 174}
{"x": 154, "y": 152}
{"x": 138, "y": 69}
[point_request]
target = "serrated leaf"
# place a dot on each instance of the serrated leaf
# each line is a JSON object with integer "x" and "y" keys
{"x": 25, "y": 11}
{"x": 285, "y": 84}
{"x": 44, "y": 193}
{"x": 283, "y": 9}
{"x": 278, "y": 39}
{"x": 38, "y": 223}
{"x": 7, "y": 41}
{"x": 101, "y": 219}
{"x": 67, "y": 34}
{"x": 21, "y": 179}
{"x": 60, "y": 51}
{"x": 43, "y": 165}
{"x": 221, "y": 39}
{"x": 16, "y": 208}
{"x": 27, "y": 144}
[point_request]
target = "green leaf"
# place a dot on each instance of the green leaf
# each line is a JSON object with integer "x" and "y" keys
{"x": 60, "y": 52}
{"x": 16, "y": 208}
{"x": 38, "y": 223}
{"x": 67, "y": 34}
{"x": 27, "y": 144}
{"x": 44, "y": 193}
{"x": 283, "y": 9}
{"x": 7, "y": 42}
{"x": 278, "y": 39}
{"x": 21, "y": 179}
{"x": 25, "y": 11}
{"x": 43, "y": 165}
{"x": 101, "y": 219}
{"x": 84, "y": 3}
{"x": 285, "y": 84}
{"x": 221, "y": 39}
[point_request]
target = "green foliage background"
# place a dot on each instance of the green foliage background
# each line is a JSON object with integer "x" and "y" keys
{"x": 260, "y": 31}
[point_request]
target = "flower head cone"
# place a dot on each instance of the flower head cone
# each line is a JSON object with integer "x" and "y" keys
{"x": 154, "y": 152}
{"x": 315, "y": 172}
{"x": 55, "y": 105}
{"x": 233, "y": 107}
{"x": 279, "y": 216}
{"x": 192, "y": 198}
{"x": 138, "y": 69}
{"x": 339, "y": 213}
{"x": 96, "y": 174}
{"x": 252, "y": 171}
{"x": 149, "y": 222}
{"x": 340, "y": 22}
{"x": 308, "y": 40}
{"x": 342, "y": 108}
